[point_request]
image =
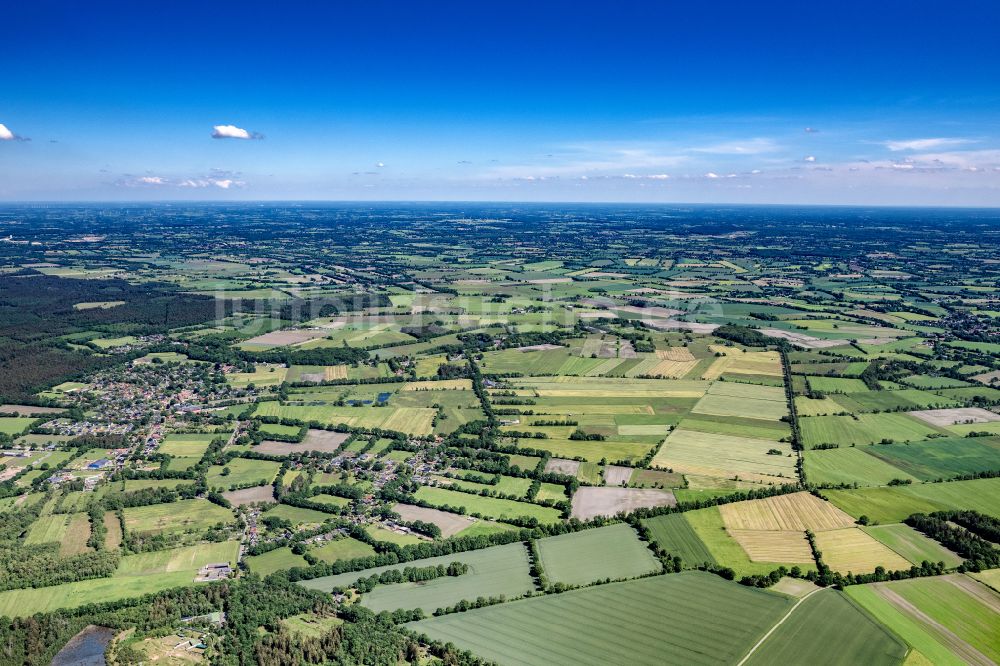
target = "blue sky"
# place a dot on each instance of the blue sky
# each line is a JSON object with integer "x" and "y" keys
{"x": 771, "y": 102}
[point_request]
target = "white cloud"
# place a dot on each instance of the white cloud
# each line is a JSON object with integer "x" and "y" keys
{"x": 7, "y": 135}
{"x": 809, "y": 158}
{"x": 747, "y": 147}
{"x": 711, "y": 175}
{"x": 201, "y": 183}
{"x": 380, "y": 164}
{"x": 151, "y": 180}
{"x": 233, "y": 132}
{"x": 923, "y": 144}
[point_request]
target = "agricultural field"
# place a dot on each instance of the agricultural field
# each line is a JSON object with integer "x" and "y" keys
{"x": 580, "y": 558}
{"x": 488, "y": 507}
{"x": 950, "y": 619}
{"x": 726, "y": 388}
{"x": 893, "y": 504}
{"x": 686, "y": 618}
{"x": 824, "y": 619}
{"x": 182, "y": 516}
{"x": 492, "y": 572}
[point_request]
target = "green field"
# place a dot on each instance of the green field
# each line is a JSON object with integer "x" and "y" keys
{"x": 863, "y": 429}
{"x": 278, "y": 429}
{"x": 488, "y": 507}
{"x": 187, "y": 558}
{"x": 189, "y": 444}
{"x": 686, "y": 619}
{"x": 493, "y": 571}
{"x": 970, "y": 617}
{"x": 274, "y": 560}
{"x": 21, "y": 603}
{"x": 892, "y": 505}
{"x": 943, "y": 457}
{"x": 183, "y": 515}
{"x": 708, "y": 525}
{"x": 912, "y": 545}
{"x": 676, "y": 536}
{"x": 851, "y": 465}
{"x": 827, "y": 619}
{"x": 342, "y": 549}
{"x": 583, "y": 557}
{"x": 14, "y": 425}
{"x": 242, "y": 472}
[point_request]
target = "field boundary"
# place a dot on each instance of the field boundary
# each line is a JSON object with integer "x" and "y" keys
{"x": 776, "y": 625}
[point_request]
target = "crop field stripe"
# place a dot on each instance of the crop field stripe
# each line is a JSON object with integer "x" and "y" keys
{"x": 676, "y": 536}
{"x": 687, "y": 618}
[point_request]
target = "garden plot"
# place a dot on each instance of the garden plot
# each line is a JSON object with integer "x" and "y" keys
{"x": 726, "y": 456}
{"x": 590, "y": 502}
{"x": 946, "y": 417}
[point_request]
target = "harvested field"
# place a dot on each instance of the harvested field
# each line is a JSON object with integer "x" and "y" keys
{"x": 947, "y": 417}
{"x": 590, "y": 502}
{"x": 563, "y": 466}
{"x": 801, "y": 339}
{"x": 672, "y": 369}
{"x": 615, "y": 475}
{"x": 682, "y": 354}
{"x": 726, "y": 456}
{"x": 323, "y": 441}
{"x": 774, "y": 546}
{"x": 285, "y": 338}
{"x": 449, "y": 523}
{"x": 794, "y": 512}
{"x": 744, "y": 400}
{"x": 250, "y": 495}
{"x": 853, "y": 550}
{"x": 651, "y": 478}
{"x": 28, "y": 410}
{"x": 675, "y": 325}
